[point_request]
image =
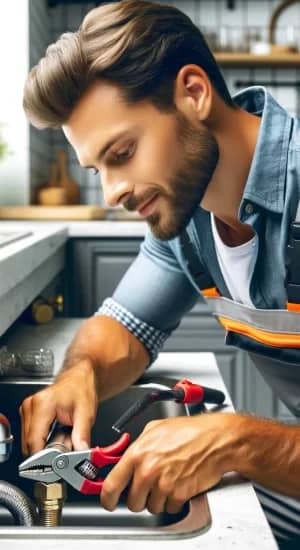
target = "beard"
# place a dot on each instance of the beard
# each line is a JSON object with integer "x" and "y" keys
{"x": 185, "y": 190}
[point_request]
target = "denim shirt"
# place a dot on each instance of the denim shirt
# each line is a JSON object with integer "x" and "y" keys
{"x": 158, "y": 289}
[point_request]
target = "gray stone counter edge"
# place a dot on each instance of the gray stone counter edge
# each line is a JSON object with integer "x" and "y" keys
{"x": 26, "y": 268}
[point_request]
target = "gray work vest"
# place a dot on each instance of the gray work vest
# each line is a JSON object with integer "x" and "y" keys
{"x": 270, "y": 336}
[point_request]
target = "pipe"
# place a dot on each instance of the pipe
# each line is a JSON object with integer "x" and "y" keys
{"x": 11, "y": 497}
{"x": 6, "y": 439}
{"x": 50, "y": 498}
{"x": 18, "y": 504}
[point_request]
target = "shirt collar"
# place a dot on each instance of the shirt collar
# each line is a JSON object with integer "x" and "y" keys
{"x": 266, "y": 180}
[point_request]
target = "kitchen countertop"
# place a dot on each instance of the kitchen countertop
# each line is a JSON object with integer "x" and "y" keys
{"x": 42, "y": 254}
{"x": 100, "y": 228}
{"x": 237, "y": 519}
{"x": 32, "y": 250}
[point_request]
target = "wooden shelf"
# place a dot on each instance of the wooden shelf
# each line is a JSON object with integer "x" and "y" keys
{"x": 249, "y": 60}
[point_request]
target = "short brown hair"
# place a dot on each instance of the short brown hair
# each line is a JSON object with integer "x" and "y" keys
{"x": 138, "y": 45}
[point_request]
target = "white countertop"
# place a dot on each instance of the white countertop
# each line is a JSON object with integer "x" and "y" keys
{"x": 27, "y": 266}
{"x": 100, "y": 228}
{"x": 28, "y": 252}
{"x": 237, "y": 518}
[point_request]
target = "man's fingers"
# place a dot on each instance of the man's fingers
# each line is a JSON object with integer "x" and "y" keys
{"x": 160, "y": 501}
{"x": 71, "y": 400}
{"x": 173, "y": 505}
{"x": 40, "y": 423}
{"x": 116, "y": 481}
{"x": 138, "y": 494}
{"x": 156, "y": 501}
{"x": 82, "y": 425}
{"x": 25, "y": 421}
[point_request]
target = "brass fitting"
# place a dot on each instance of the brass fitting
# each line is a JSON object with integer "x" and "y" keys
{"x": 50, "y": 499}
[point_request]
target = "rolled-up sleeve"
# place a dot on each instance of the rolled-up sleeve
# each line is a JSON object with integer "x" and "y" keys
{"x": 153, "y": 295}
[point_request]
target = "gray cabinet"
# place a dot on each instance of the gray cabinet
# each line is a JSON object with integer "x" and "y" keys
{"x": 96, "y": 265}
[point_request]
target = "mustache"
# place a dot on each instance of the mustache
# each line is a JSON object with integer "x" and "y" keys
{"x": 134, "y": 202}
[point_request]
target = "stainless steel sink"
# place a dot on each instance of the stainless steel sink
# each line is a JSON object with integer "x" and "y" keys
{"x": 83, "y": 515}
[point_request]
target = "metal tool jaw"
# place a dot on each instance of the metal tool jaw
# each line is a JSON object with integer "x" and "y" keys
{"x": 51, "y": 465}
{"x": 39, "y": 466}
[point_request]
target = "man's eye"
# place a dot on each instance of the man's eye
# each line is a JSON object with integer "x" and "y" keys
{"x": 95, "y": 171}
{"x": 123, "y": 154}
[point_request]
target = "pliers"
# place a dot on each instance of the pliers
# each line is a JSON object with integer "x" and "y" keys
{"x": 81, "y": 469}
{"x": 51, "y": 465}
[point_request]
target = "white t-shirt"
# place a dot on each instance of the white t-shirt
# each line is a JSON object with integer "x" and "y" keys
{"x": 235, "y": 263}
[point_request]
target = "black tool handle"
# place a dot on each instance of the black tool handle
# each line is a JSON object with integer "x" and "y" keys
{"x": 212, "y": 395}
{"x": 132, "y": 411}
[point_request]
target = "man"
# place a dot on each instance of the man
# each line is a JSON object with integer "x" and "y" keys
{"x": 140, "y": 98}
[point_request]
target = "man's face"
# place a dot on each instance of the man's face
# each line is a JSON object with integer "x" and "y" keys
{"x": 159, "y": 164}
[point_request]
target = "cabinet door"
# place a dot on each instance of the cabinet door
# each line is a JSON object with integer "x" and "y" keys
{"x": 96, "y": 267}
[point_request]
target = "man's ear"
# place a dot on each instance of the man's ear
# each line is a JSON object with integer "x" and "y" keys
{"x": 193, "y": 92}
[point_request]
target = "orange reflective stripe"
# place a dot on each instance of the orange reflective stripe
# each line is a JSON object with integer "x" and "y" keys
{"x": 277, "y": 339}
{"x": 211, "y": 292}
{"x": 293, "y": 307}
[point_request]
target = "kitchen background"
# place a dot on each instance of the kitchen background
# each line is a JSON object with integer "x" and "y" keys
{"x": 233, "y": 27}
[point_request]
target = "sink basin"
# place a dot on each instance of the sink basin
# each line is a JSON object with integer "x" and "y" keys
{"x": 82, "y": 515}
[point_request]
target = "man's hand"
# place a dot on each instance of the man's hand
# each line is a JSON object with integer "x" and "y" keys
{"x": 177, "y": 458}
{"x": 72, "y": 400}
{"x": 171, "y": 461}
{"x": 103, "y": 359}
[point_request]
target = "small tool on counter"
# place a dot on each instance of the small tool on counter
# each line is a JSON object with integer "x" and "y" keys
{"x": 81, "y": 468}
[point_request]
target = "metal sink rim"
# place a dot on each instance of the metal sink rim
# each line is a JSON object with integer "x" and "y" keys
{"x": 186, "y": 528}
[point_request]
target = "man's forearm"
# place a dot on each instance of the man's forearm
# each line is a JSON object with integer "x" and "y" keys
{"x": 268, "y": 452}
{"x": 117, "y": 357}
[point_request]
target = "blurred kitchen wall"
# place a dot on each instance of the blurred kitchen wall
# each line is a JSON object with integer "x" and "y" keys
{"x": 225, "y": 28}
{"x": 41, "y": 146}
{"x": 14, "y": 62}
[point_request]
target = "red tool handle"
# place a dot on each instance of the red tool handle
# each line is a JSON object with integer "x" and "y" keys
{"x": 104, "y": 456}
{"x": 194, "y": 393}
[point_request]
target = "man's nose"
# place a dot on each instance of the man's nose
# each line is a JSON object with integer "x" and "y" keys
{"x": 115, "y": 192}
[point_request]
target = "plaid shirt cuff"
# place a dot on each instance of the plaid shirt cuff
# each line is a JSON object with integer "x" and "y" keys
{"x": 152, "y": 338}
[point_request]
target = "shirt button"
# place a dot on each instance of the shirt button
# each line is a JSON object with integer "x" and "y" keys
{"x": 249, "y": 208}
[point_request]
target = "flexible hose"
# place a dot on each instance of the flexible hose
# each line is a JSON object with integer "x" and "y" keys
{"x": 17, "y": 503}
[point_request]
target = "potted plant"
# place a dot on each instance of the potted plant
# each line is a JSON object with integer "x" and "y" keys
{"x": 4, "y": 149}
